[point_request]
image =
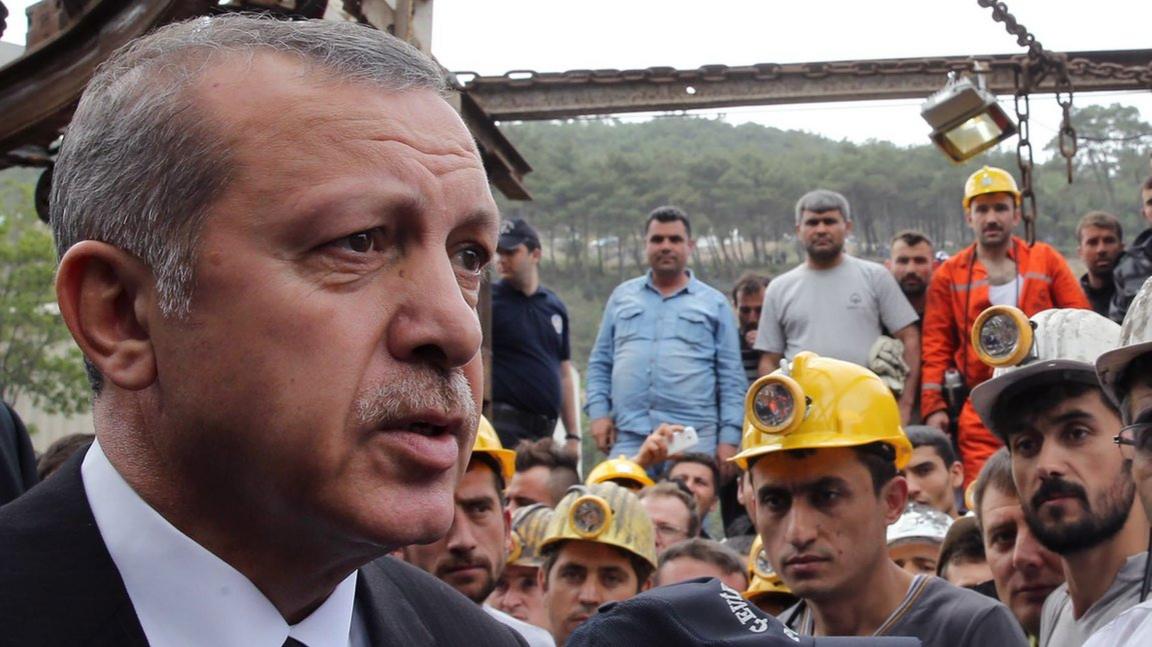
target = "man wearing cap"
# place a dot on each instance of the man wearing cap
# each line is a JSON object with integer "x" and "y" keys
{"x": 1126, "y": 376}
{"x": 914, "y": 540}
{"x": 823, "y": 445}
{"x": 667, "y": 352}
{"x": 599, "y": 548}
{"x": 531, "y": 367}
{"x": 473, "y": 555}
{"x": 517, "y": 591}
{"x": 998, "y": 268}
{"x": 1025, "y": 572}
{"x": 1075, "y": 488}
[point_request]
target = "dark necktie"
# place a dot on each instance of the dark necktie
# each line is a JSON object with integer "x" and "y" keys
{"x": 292, "y": 642}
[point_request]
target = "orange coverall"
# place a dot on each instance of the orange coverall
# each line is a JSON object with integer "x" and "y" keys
{"x": 957, "y": 295}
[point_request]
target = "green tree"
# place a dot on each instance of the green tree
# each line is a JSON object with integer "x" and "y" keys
{"x": 37, "y": 357}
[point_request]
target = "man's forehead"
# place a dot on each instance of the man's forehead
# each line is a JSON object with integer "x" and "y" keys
{"x": 921, "y": 249}
{"x": 688, "y": 468}
{"x": 808, "y": 214}
{"x": 993, "y": 198}
{"x": 807, "y": 467}
{"x": 924, "y": 454}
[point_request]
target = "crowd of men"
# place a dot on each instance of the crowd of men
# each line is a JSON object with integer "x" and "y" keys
{"x": 284, "y": 352}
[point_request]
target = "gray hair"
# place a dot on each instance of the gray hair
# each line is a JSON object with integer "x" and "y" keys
{"x": 820, "y": 201}
{"x": 141, "y": 165}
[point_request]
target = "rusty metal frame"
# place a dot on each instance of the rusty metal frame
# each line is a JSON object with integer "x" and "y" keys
{"x": 39, "y": 90}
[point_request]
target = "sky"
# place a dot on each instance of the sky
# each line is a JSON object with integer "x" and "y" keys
{"x": 497, "y": 36}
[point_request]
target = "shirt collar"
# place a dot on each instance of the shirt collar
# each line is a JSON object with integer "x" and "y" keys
{"x": 689, "y": 287}
{"x": 183, "y": 594}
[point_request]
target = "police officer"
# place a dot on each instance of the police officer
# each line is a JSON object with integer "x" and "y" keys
{"x": 599, "y": 548}
{"x": 823, "y": 447}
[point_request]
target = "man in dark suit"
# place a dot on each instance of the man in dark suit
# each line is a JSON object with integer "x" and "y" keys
{"x": 272, "y": 240}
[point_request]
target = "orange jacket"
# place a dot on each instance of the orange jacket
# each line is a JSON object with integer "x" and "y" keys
{"x": 959, "y": 293}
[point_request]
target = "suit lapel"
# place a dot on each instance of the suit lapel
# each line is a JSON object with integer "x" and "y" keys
{"x": 388, "y": 615}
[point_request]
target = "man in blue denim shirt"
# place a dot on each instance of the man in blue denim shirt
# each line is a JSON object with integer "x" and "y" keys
{"x": 668, "y": 351}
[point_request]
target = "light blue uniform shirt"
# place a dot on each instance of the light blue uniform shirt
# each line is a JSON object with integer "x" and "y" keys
{"x": 673, "y": 359}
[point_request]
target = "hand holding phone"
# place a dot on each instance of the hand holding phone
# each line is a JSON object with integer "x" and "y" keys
{"x": 683, "y": 440}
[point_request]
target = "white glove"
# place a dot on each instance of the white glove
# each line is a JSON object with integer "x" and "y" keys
{"x": 886, "y": 359}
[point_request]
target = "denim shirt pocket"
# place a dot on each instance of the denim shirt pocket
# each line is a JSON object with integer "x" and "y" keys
{"x": 630, "y": 325}
{"x": 694, "y": 328}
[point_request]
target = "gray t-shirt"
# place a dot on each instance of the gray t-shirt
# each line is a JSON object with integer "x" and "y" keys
{"x": 837, "y": 312}
{"x": 1059, "y": 629}
{"x": 940, "y": 615}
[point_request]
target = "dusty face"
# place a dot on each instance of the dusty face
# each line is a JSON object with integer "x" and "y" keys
{"x": 823, "y": 525}
{"x": 993, "y": 217}
{"x": 698, "y": 479}
{"x": 586, "y": 574}
{"x": 1075, "y": 488}
{"x": 748, "y": 307}
{"x": 916, "y": 558}
{"x": 932, "y": 483}
{"x": 328, "y": 376}
{"x": 518, "y": 593}
{"x": 911, "y": 265}
{"x": 668, "y": 247}
{"x": 1099, "y": 248}
{"x": 1024, "y": 571}
{"x": 472, "y": 555}
{"x": 683, "y": 569}
{"x": 823, "y": 234}
{"x": 530, "y": 486}
{"x": 670, "y": 518}
{"x": 517, "y": 266}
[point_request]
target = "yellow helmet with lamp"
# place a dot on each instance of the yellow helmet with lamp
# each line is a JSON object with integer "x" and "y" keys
{"x": 990, "y": 179}
{"x": 604, "y": 513}
{"x": 621, "y": 470}
{"x": 1058, "y": 345}
{"x": 529, "y": 526}
{"x": 816, "y": 402}
{"x": 487, "y": 442}
{"x": 762, "y": 578}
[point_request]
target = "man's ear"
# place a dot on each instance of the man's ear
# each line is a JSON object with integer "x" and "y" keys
{"x": 888, "y": 264}
{"x": 956, "y": 474}
{"x": 106, "y": 296}
{"x": 895, "y": 497}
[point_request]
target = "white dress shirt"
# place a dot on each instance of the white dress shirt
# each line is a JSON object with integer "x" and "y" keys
{"x": 185, "y": 595}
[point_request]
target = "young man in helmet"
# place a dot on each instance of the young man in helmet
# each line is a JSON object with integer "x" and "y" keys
{"x": 518, "y": 590}
{"x": 1126, "y": 376}
{"x": 472, "y": 556}
{"x": 598, "y": 548}
{"x": 823, "y": 445}
{"x": 997, "y": 269}
{"x": 1075, "y": 488}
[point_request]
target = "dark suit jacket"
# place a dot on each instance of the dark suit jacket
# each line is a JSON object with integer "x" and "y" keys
{"x": 59, "y": 586}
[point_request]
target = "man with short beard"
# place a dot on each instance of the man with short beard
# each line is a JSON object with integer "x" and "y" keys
{"x": 1099, "y": 244}
{"x": 472, "y": 556}
{"x": 835, "y": 304}
{"x": 1076, "y": 489}
{"x": 910, "y": 260}
{"x": 997, "y": 269}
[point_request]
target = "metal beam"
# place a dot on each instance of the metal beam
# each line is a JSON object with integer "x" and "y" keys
{"x": 528, "y": 95}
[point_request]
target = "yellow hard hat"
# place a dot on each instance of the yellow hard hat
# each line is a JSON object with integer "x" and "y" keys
{"x": 762, "y": 578}
{"x": 620, "y": 469}
{"x": 819, "y": 402}
{"x": 990, "y": 180}
{"x": 487, "y": 442}
{"x": 529, "y": 524}
{"x": 604, "y": 513}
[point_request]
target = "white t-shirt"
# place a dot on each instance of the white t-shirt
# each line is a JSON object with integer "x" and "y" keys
{"x": 837, "y": 312}
{"x": 535, "y": 636}
{"x": 1133, "y": 627}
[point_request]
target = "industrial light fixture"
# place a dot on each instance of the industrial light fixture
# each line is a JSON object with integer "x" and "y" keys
{"x": 965, "y": 119}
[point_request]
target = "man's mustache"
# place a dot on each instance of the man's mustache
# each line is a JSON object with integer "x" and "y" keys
{"x": 1055, "y": 488}
{"x": 417, "y": 390}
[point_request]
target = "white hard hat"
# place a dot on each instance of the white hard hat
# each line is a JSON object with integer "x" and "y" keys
{"x": 1066, "y": 343}
{"x": 1135, "y": 340}
{"x": 919, "y": 523}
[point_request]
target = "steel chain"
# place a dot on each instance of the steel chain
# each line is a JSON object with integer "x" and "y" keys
{"x": 1024, "y": 158}
{"x": 1067, "y": 137}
